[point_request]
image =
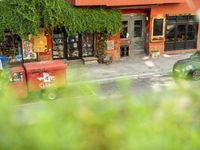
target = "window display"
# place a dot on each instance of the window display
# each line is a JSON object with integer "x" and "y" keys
{"x": 27, "y": 47}
{"x": 87, "y": 44}
{"x": 10, "y": 47}
{"x": 73, "y": 47}
{"x": 58, "y": 45}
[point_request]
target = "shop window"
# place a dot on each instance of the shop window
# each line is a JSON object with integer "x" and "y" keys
{"x": 158, "y": 25}
{"x": 58, "y": 44}
{"x": 191, "y": 34}
{"x": 170, "y": 32}
{"x": 124, "y": 31}
{"x": 181, "y": 32}
{"x": 10, "y": 47}
{"x": 182, "y": 18}
{"x": 138, "y": 28}
{"x": 171, "y": 18}
{"x": 73, "y": 47}
{"x": 87, "y": 44}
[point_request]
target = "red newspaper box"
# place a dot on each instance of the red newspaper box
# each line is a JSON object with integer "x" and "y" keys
{"x": 18, "y": 81}
{"x": 45, "y": 74}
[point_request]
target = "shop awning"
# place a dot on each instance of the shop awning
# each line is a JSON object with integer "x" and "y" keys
{"x": 116, "y": 3}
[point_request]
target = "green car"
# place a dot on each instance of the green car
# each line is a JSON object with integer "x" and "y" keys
{"x": 188, "y": 68}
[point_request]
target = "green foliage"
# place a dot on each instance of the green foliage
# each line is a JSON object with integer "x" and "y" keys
{"x": 81, "y": 121}
{"x": 24, "y": 17}
{"x": 101, "y": 40}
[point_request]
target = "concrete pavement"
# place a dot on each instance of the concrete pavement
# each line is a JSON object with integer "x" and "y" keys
{"x": 136, "y": 66}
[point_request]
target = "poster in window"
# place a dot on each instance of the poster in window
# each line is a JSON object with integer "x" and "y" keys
{"x": 40, "y": 42}
{"x": 27, "y": 47}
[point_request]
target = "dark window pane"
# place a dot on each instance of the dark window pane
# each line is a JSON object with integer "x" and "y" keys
{"x": 138, "y": 28}
{"x": 124, "y": 29}
{"x": 191, "y": 27}
{"x": 169, "y": 46}
{"x": 191, "y": 45}
{"x": 170, "y": 37}
{"x": 192, "y": 32}
{"x": 191, "y": 36}
{"x": 170, "y": 32}
{"x": 193, "y": 18}
{"x": 180, "y": 45}
{"x": 181, "y": 34}
{"x": 181, "y": 30}
{"x": 171, "y": 18}
{"x": 182, "y": 18}
{"x": 158, "y": 27}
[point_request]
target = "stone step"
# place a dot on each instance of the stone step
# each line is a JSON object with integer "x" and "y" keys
{"x": 90, "y": 60}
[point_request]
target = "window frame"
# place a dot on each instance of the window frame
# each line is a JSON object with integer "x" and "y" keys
{"x": 158, "y": 38}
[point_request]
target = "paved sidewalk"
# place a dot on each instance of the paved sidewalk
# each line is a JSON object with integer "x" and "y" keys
{"x": 128, "y": 67}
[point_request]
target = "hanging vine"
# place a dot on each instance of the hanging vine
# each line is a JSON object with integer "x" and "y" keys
{"x": 24, "y": 17}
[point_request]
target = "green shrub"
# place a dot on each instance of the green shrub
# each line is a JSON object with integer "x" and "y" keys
{"x": 82, "y": 121}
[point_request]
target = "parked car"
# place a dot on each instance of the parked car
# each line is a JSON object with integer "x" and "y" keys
{"x": 188, "y": 68}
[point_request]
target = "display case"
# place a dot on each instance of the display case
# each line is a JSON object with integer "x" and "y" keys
{"x": 58, "y": 51}
{"x": 73, "y": 47}
{"x": 87, "y": 44}
{"x": 9, "y": 47}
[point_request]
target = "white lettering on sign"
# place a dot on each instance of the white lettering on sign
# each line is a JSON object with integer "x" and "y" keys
{"x": 47, "y": 80}
{"x": 110, "y": 44}
{"x": 45, "y": 85}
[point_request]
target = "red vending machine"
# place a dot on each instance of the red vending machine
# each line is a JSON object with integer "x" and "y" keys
{"x": 37, "y": 76}
{"x": 45, "y": 74}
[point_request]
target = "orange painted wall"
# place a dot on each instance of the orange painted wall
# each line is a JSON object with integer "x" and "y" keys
{"x": 115, "y": 53}
{"x": 135, "y": 11}
{"x": 175, "y": 8}
{"x": 120, "y": 2}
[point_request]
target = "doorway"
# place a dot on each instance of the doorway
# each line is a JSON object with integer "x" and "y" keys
{"x": 134, "y": 31}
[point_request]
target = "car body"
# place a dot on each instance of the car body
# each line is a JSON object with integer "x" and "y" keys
{"x": 188, "y": 68}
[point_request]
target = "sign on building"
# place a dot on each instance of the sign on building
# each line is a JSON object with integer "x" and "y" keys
{"x": 110, "y": 45}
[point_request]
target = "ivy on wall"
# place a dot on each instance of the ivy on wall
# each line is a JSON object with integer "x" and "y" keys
{"x": 25, "y": 17}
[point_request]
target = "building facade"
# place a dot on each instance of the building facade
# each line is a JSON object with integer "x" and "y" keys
{"x": 151, "y": 27}
{"x": 157, "y": 26}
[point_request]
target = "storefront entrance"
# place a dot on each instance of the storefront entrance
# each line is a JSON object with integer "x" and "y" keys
{"x": 134, "y": 30}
